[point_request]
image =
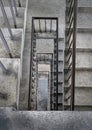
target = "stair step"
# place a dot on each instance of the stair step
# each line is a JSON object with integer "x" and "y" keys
{"x": 85, "y": 3}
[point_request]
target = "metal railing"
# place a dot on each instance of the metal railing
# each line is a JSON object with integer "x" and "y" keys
{"x": 70, "y": 50}
{"x": 44, "y": 24}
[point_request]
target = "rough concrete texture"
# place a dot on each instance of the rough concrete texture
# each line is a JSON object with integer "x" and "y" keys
{"x": 45, "y": 45}
{"x": 84, "y": 78}
{"x": 12, "y": 120}
{"x": 84, "y": 18}
{"x": 14, "y": 45}
{"x": 19, "y": 18}
{"x": 84, "y": 40}
{"x": 9, "y": 82}
{"x": 83, "y": 59}
{"x": 85, "y": 3}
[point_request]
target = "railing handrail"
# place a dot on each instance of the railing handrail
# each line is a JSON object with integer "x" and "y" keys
{"x": 71, "y": 22}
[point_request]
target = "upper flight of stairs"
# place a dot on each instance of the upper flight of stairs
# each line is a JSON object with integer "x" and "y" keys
{"x": 83, "y": 90}
{"x": 12, "y": 85}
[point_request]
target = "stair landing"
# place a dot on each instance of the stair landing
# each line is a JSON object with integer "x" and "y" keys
{"x": 29, "y": 120}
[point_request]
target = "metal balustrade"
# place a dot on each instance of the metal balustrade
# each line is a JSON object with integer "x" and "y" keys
{"x": 70, "y": 50}
{"x": 19, "y": 3}
{"x": 41, "y": 27}
{"x": 45, "y": 24}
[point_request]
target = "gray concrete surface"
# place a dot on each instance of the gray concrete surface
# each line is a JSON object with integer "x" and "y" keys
{"x": 12, "y": 120}
{"x": 9, "y": 83}
{"x": 14, "y": 45}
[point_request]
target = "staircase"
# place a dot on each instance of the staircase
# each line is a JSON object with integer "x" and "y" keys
{"x": 83, "y": 57}
{"x": 83, "y": 70}
{"x": 60, "y": 94}
{"x": 12, "y": 25}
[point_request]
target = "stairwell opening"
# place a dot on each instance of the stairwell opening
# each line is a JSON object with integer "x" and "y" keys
{"x": 44, "y": 50}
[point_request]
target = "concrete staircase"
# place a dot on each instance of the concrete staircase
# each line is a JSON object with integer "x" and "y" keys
{"x": 14, "y": 65}
{"x": 83, "y": 88}
{"x": 83, "y": 60}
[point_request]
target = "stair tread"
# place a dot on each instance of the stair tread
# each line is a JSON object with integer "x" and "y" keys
{"x": 80, "y": 69}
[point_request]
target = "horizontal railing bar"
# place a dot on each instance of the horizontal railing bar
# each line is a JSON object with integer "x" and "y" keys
{"x": 15, "y": 6}
{"x": 69, "y": 47}
{"x": 69, "y": 36}
{"x": 3, "y": 67}
{"x": 68, "y": 78}
{"x": 19, "y": 3}
{"x": 69, "y": 17}
{"x": 67, "y": 98}
{"x": 69, "y": 57}
{"x": 70, "y": 26}
{"x": 55, "y": 18}
{"x": 70, "y": 6}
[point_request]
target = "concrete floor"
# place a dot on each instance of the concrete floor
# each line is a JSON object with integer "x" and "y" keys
{"x": 12, "y": 120}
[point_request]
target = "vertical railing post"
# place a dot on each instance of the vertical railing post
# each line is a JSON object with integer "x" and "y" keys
{"x": 31, "y": 63}
{"x": 74, "y": 56}
{"x": 5, "y": 44}
{"x": 6, "y": 19}
{"x": 19, "y": 3}
{"x": 15, "y": 6}
{"x": 51, "y": 82}
{"x": 3, "y": 67}
{"x": 12, "y": 12}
